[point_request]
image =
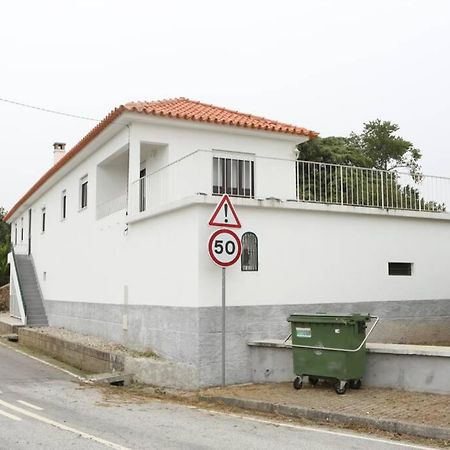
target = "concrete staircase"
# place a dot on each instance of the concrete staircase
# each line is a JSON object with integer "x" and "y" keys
{"x": 31, "y": 292}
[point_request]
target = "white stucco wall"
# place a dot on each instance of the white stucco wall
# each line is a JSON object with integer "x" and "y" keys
{"x": 305, "y": 255}
{"x": 86, "y": 259}
{"x": 311, "y": 256}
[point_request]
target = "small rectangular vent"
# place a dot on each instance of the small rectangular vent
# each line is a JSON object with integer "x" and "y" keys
{"x": 400, "y": 268}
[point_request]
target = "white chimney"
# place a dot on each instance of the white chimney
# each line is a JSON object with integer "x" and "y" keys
{"x": 59, "y": 150}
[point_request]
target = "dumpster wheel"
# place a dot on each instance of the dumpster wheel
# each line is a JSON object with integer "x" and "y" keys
{"x": 341, "y": 387}
{"x": 355, "y": 384}
{"x": 298, "y": 383}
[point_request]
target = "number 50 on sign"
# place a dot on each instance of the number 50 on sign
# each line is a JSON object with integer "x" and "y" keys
{"x": 224, "y": 247}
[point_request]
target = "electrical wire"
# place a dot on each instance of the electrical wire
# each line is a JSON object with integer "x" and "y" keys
{"x": 52, "y": 111}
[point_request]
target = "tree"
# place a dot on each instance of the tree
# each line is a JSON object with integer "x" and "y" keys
{"x": 377, "y": 147}
{"x": 4, "y": 248}
{"x": 385, "y": 150}
{"x": 333, "y": 150}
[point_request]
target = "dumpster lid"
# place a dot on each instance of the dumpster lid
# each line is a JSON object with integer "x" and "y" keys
{"x": 329, "y": 317}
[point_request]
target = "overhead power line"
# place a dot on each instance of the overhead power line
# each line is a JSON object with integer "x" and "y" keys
{"x": 52, "y": 111}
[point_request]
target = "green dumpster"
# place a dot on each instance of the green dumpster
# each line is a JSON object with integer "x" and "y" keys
{"x": 330, "y": 346}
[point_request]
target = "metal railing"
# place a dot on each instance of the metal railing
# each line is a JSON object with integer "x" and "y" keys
{"x": 358, "y": 186}
{"x": 250, "y": 176}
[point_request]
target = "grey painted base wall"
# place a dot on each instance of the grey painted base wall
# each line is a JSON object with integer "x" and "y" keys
{"x": 192, "y": 336}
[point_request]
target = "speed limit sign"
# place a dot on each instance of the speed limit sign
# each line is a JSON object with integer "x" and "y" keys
{"x": 224, "y": 247}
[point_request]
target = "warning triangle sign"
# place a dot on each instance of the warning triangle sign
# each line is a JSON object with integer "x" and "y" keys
{"x": 224, "y": 215}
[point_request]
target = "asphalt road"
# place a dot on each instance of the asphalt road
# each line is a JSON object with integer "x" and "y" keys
{"x": 42, "y": 407}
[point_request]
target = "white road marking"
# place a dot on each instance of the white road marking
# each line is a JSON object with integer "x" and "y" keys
{"x": 62, "y": 426}
{"x": 318, "y": 430}
{"x": 37, "y": 408}
{"x": 254, "y": 419}
{"x": 10, "y": 416}
{"x": 68, "y": 372}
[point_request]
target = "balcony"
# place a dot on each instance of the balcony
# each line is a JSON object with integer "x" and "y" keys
{"x": 259, "y": 178}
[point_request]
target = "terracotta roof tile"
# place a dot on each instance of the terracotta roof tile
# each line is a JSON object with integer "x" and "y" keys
{"x": 179, "y": 108}
{"x": 183, "y": 108}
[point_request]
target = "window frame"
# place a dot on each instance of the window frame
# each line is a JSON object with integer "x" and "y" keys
{"x": 143, "y": 188}
{"x": 21, "y": 230}
{"x": 43, "y": 219}
{"x": 64, "y": 205}
{"x": 83, "y": 194}
{"x": 233, "y": 173}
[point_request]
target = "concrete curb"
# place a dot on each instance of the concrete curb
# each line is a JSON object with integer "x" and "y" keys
{"x": 332, "y": 417}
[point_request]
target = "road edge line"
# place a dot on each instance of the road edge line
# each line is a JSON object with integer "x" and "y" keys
{"x": 54, "y": 366}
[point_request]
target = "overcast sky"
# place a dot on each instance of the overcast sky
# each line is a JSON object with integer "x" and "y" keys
{"x": 326, "y": 65}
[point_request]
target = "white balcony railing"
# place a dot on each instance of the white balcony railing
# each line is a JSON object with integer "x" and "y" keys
{"x": 112, "y": 205}
{"x": 186, "y": 176}
{"x": 288, "y": 180}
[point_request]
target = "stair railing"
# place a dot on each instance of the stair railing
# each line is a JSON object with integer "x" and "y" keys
{"x": 16, "y": 305}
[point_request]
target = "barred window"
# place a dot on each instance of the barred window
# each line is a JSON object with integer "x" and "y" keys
{"x": 234, "y": 177}
{"x": 249, "y": 257}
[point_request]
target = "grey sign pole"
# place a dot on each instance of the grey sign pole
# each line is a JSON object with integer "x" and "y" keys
{"x": 223, "y": 326}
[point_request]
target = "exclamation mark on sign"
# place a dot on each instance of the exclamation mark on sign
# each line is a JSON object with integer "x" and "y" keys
{"x": 226, "y": 213}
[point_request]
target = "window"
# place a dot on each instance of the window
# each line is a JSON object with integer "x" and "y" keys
{"x": 233, "y": 177}
{"x": 63, "y": 205}
{"x": 249, "y": 256}
{"x": 400, "y": 268}
{"x": 142, "y": 199}
{"x": 21, "y": 229}
{"x": 15, "y": 234}
{"x": 43, "y": 220}
{"x": 83, "y": 192}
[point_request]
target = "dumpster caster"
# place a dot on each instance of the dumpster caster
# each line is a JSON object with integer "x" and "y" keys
{"x": 298, "y": 383}
{"x": 313, "y": 380}
{"x": 355, "y": 384}
{"x": 341, "y": 387}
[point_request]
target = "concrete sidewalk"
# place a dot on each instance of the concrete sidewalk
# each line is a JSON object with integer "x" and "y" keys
{"x": 411, "y": 413}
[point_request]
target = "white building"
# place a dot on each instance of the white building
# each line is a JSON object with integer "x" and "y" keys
{"x": 118, "y": 228}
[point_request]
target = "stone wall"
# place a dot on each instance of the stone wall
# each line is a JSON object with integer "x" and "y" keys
{"x": 4, "y": 298}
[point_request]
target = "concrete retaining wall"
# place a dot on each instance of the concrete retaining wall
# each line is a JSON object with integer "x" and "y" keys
{"x": 154, "y": 371}
{"x": 160, "y": 372}
{"x": 82, "y": 357}
{"x": 412, "y": 368}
